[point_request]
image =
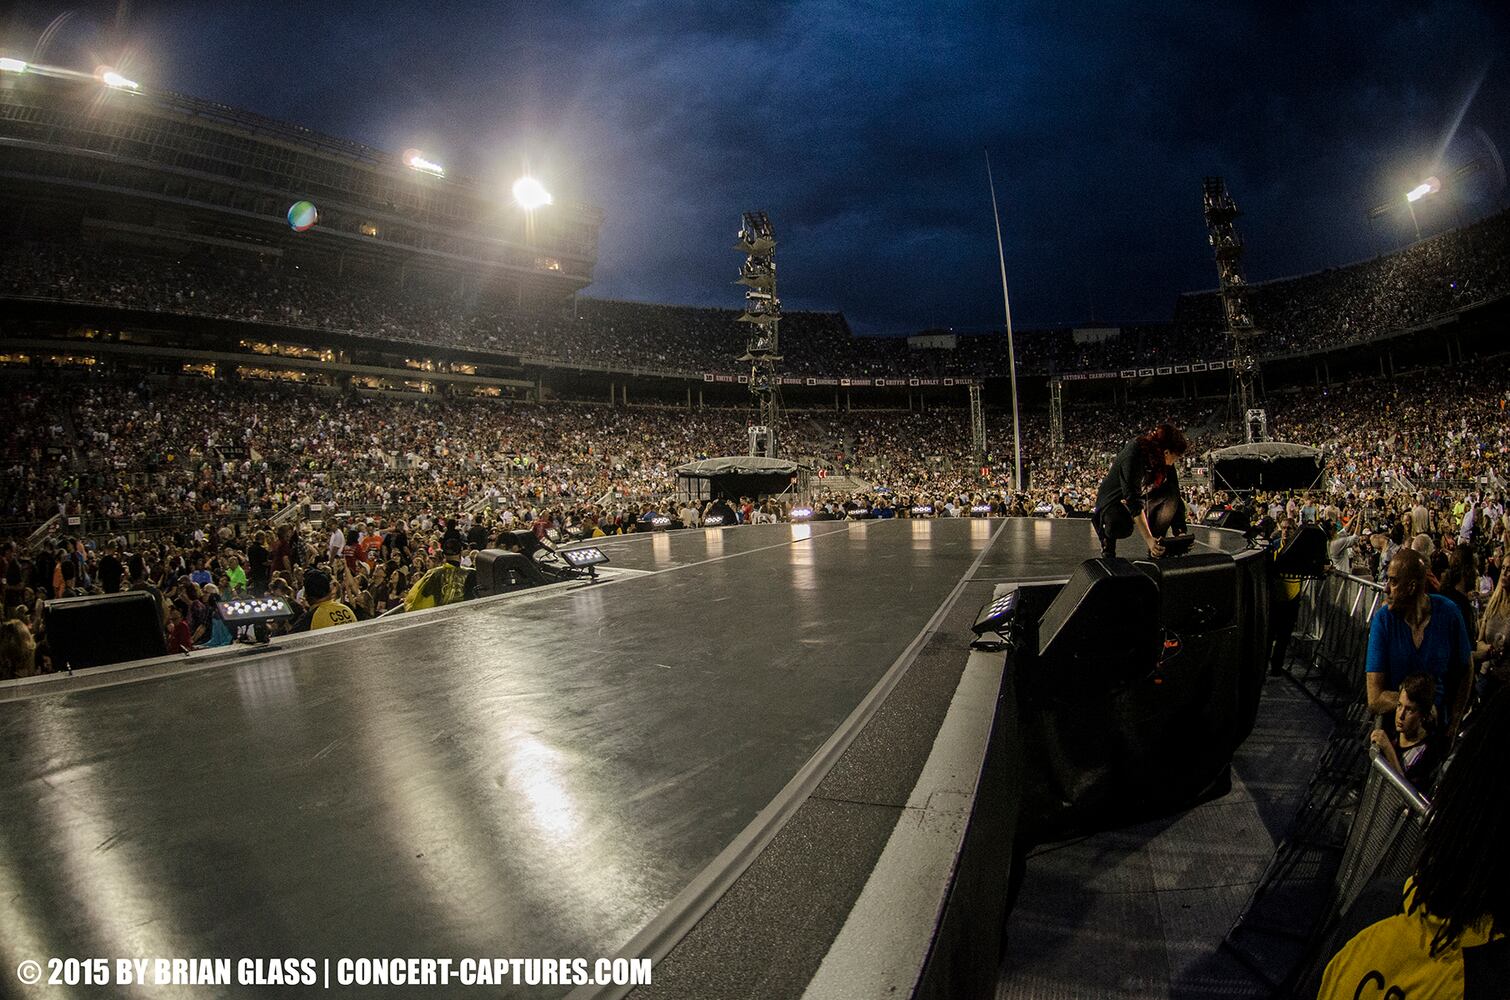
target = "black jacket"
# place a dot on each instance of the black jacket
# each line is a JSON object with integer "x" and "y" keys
{"x": 1126, "y": 480}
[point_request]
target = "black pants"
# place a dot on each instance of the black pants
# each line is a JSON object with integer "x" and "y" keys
{"x": 1283, "y": 613}
{"x": 1165, "y": 511}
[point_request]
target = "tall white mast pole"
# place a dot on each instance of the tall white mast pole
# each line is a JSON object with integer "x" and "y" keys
{"x": 1011, "y": 351}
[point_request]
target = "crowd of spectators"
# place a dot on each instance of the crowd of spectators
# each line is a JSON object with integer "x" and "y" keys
{"x": 189, "y": 475}
{"x": 1362, "y": 301}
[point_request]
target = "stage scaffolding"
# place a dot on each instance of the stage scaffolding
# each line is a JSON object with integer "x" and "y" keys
{"x": 757, "y": 241}
{"x": 1221, "y": 226}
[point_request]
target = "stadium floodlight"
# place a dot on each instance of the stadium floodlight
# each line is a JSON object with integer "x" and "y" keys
{"x": 111, "y": 78}
{"x": 1430, "y": 185}
{"x": 531, "y": 194}
{"x": 9, "y": 65}
{"x": 415, "y": 160}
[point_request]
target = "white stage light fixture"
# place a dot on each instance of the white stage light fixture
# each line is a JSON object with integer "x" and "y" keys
{"x": 238, "y": 611}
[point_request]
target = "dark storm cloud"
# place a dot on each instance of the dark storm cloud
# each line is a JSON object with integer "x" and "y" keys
{"x": 860, "y": 128}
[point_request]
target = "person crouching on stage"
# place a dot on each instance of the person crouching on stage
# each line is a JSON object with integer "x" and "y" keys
{"x": 1142, "y": 491}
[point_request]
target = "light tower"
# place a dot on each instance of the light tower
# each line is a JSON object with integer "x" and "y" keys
{"x": 757, "y": 241}
{"x": 1221, "y": 225}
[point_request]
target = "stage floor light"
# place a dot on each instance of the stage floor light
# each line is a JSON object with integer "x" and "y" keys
{"x": 255, "y": 610}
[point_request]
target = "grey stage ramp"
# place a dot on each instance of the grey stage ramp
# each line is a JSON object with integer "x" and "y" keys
{"x": 522, "y": 778}
{"x": 559, "y": 773}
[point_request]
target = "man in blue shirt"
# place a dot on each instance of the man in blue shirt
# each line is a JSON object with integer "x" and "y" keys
{"x": 1415, "y": 631}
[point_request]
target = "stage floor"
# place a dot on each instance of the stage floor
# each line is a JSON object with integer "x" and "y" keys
{"x": 527, "y": 777}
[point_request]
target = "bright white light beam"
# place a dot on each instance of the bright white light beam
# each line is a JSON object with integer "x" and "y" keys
{"x": 111, "y": 78}
{"x": 531, "y": 194}
{"x": 415, "y": 160}
{"x": 8, "y": 65}
{"x": 1429, "y": 186}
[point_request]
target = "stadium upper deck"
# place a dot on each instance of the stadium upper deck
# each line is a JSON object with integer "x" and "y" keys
{"x": 82, "y": 160}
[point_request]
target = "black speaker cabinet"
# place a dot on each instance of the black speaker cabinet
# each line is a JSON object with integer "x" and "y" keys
{"x": 101, "y": 629}
{"x": 1305, "y": 555}
{"x": 500, "y": 572}
{"x": 1102, "y": 630}
{"x": 1197, "y": 591}
{"x": 1218, "y": 517}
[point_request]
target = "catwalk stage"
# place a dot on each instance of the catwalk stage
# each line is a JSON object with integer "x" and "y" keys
{"x": 763, "y": 756}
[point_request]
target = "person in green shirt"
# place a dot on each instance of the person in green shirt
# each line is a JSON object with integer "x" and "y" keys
{"x": 235, "y": 574}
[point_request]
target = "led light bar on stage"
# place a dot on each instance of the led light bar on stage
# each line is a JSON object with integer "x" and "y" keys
{"x": 994, "y": 615}
{"x": 981, "y": 508}
{"x": 801, "y": 513}
{"x": 713, "y": 521}
{"x": 251, "y": 610}
{"x": 924, "y": 509}
{"x": 581, "y": 558}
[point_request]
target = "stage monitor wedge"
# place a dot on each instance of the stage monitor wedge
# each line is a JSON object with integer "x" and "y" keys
{"x": 1102, "y": 630}
{"x": 1220, "y": 517}
{"x": 101, "y": 629}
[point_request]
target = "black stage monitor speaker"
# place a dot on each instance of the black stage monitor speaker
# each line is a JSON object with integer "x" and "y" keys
{"x": 1219, "y": 517}
{"x": 499, "y": 572}
{"x": 101, "y": 629}
{"x": 1305, "y": 555}
{"x": 1102, "y": 630}
{"x": 1197, "y": 593}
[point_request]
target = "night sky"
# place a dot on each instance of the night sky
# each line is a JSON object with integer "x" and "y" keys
{"x": 860, "y": 127}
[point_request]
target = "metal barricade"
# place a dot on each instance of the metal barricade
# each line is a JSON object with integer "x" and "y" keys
{"x": 1329, "y": 649}
{"x": 1381, "y": 843}
{"x": 1326, "y": 849}
{"x": 1385, "y": 833}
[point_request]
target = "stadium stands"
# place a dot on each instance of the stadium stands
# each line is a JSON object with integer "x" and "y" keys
{"x": 1327, "y": 310}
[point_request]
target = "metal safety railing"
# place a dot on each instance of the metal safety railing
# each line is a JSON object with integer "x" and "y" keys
{"x": 41, "y": 532}
{"x": 1385, "y": 833}
{"x": 1275, "y": 935}
{"x": 1381, "y": 844}
{"x": 1329, "y": 648}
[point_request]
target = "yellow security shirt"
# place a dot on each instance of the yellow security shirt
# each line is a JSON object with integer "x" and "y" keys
{"x": 1392, "y": 958}
{"x": 330, "y": 613}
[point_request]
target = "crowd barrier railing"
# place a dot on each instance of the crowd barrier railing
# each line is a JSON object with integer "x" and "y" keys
{"x": 1381, "y": 844}
{"x": 1275, "y": 935}
{"x": 1329, "y": 648}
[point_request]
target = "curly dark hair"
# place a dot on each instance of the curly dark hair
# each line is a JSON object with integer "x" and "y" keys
{"x": 1463, "y": 870}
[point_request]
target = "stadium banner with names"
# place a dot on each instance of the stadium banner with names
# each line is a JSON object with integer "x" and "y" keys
{"x": 916, "y": 383}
